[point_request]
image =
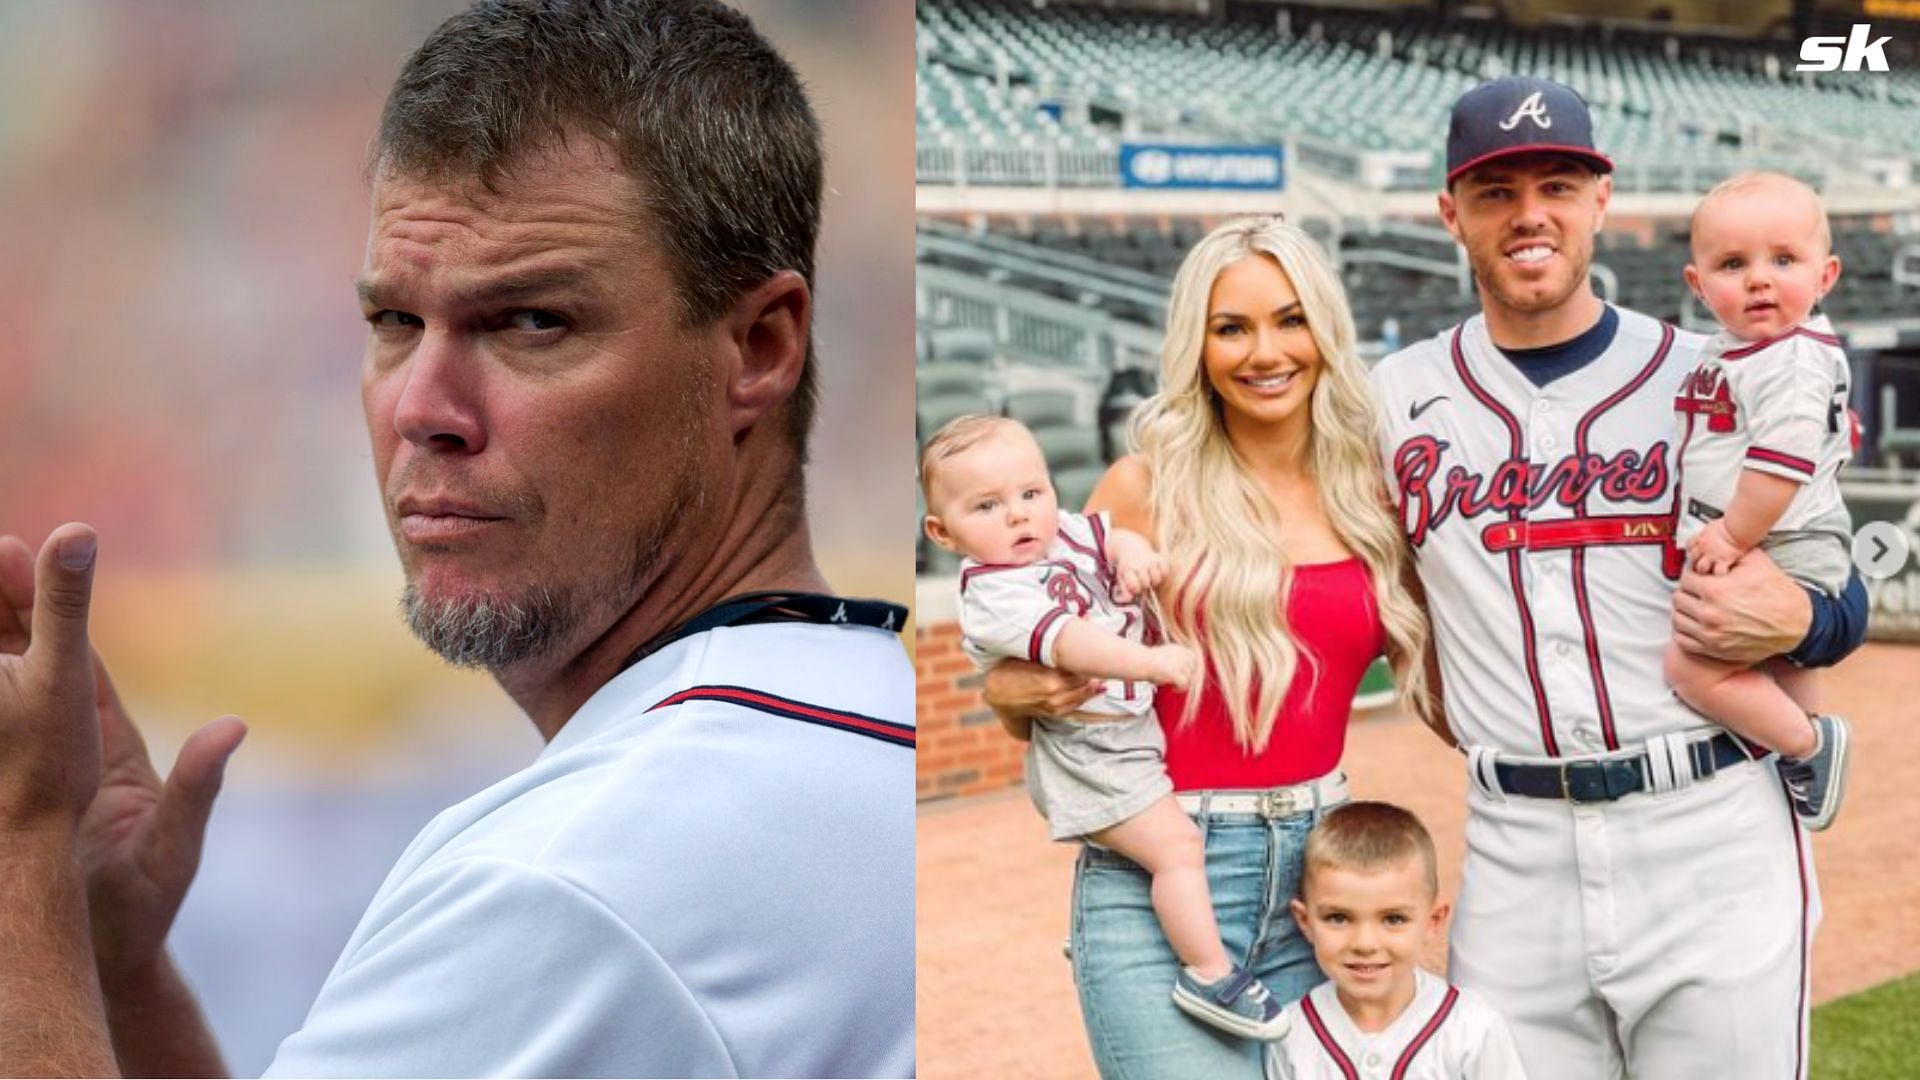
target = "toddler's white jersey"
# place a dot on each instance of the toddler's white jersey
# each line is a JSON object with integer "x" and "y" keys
{"x": 1445, "y": 1034}
{"x": 1777, "y": 406}
{"x": 1017, "y": 612}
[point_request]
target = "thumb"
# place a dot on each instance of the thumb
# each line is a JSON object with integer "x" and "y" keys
{"x": 198, "y": 771}
{"x": 63, "y": 591}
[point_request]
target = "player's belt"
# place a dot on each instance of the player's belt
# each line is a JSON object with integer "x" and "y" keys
{"x": 1578, "y": 532}
{"x": 1594, "y": 780}
{"x": 1281, "y": 802}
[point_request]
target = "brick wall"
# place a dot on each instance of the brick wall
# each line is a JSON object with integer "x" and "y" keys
{"x": 962, "y": 748}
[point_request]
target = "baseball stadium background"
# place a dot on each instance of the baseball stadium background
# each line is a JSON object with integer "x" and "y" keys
{"x": 181, "y": 219}
{"x": 1067, "y": 155}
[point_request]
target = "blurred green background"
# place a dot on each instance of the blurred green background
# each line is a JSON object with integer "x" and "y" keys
{"x": 181, "y": 217}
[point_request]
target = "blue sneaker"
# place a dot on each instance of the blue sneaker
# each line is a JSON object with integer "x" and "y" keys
{"x": 1236, "y": 1003}
{"x": 1818, "y": 780}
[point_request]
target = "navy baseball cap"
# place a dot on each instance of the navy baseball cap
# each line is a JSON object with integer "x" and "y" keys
{"x": 1518, "y": 115}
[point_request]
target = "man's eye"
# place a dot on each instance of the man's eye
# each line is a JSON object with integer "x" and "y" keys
{"x": 535, "y": 320}
{"x": 388, "y": 319}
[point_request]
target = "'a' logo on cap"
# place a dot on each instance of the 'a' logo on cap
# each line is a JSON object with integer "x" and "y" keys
{"x": 1531, "y": 109}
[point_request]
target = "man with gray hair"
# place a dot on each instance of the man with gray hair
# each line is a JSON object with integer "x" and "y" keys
{"x": 588, "y": 383}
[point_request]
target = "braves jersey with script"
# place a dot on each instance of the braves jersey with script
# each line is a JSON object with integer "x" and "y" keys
{"x": 1777, "y": 406}
{"x": 1446, "y": 1033}
{"x": 1017, "y": 612}
{"x": 1540, "y": 519}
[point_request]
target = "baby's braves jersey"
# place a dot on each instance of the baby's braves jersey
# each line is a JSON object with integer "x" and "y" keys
{"x": 1540, "y": 518}
{"x": 1777, "y": 406}
{"x": 1445, "y": 1034}
{"x": 1018, "y": 612}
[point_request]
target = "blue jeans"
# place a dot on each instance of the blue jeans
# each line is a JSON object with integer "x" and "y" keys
{"x": 1125, "y": 969}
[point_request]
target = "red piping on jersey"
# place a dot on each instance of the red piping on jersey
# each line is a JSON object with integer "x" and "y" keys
{"x": 1039, "y": 635}
{"x": 1745, "y": 351}
{"x": 972, "y": 572}
{"x": 1420, "y": 1040}
{"x": 872, "y": 727}
{"x": 1516, "y": 453}
{"x": 1320, "y": 1031}
{"x": 1602, "y": 698}
{"x": 1785, "y": 461}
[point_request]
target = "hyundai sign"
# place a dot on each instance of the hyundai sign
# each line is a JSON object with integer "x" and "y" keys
{"x": 1162, "y": 165}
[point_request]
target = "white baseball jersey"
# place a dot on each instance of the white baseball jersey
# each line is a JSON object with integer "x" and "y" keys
{"x": 1777, "y": 406}
{"x": 1445, "y": 1034}
{"x": 1017, "y": 612}
{"x": 1657, "y": 935}
{"x": 1540, "y": 519}
{"x": 707, "y": 872}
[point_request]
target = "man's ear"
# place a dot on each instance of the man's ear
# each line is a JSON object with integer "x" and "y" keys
{"x": 1450, "y": 215}
{"x": 770, "y": 326}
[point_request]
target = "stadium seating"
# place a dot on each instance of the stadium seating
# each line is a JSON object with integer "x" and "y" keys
{"x": 1679, "y": 113}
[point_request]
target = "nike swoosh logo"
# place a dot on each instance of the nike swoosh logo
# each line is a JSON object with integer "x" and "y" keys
{"x": 1414, "y": 411}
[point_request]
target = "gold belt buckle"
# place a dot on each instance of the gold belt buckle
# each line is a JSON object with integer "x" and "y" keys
{"x": 1277, "y": 803}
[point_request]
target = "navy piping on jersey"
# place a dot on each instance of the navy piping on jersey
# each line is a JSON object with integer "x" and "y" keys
{"x": 1516, "y": 452}
{"x": 773, "y": 704}
{"x": 1426, "y": 1033}
{"x": 1603, "y": 699}
{"x": 1327, "y": 1043}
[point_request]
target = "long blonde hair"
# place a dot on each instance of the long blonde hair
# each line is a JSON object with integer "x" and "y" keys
{"x": 1218, "y": 529}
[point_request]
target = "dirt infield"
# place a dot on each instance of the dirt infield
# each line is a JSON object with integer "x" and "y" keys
{"x": 996, "y": 999}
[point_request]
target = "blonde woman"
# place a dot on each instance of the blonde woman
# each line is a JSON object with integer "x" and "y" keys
{"x": 1257, "y": 476}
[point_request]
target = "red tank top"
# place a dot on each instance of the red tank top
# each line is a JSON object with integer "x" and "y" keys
{"x": 1333, "y": 617}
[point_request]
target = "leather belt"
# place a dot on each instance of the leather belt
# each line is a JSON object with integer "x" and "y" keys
{"x": 1281, "y": 802}
{"x": 1596, "y": 780}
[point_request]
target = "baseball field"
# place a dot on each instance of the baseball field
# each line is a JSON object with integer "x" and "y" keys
{"x": 996, "y": 998}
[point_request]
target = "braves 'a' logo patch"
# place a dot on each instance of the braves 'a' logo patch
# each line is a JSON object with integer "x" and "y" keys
{"x": 1706, "y": 393}
{"x": 1532, "y": 109}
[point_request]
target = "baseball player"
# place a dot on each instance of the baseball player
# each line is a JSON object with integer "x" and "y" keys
{"x": 588, "y": 386}
{"x": 1764, "y": 433}
{"x": 1637, "y": 894}
{"x": 1370, "y": 901}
